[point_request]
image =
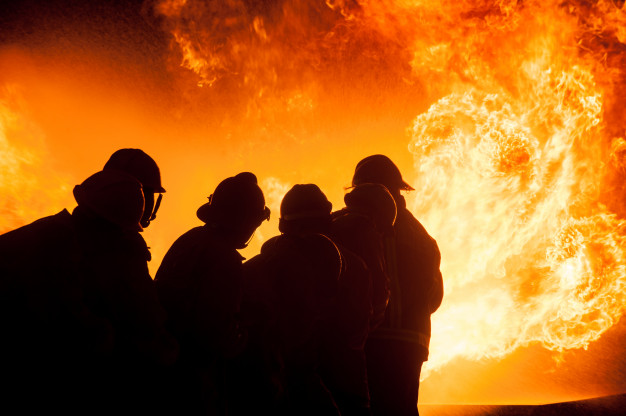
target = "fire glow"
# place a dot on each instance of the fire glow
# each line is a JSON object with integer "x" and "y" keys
{"x": 515, "y": 126}
{"x": 506, "y": 171}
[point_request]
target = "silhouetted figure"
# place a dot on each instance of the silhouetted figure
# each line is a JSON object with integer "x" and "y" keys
{"x": 118, "y": 287}
{"x": 363, "y": 293}
{"x": 142, "y": 167}
{"x": 397, "y": 349}
{"x": 362, "y": 226}
{"x": 199, "y": 283}
{"x": 79, "y": 312}
{"x": 292, "y": 285}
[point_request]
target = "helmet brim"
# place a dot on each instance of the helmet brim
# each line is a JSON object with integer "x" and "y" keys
{"x": 406, "y": 187}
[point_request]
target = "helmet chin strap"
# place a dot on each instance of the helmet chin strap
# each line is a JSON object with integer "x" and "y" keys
{"x": 147, "y": 221}
{"x": 251, "y": 236}
{"x": 156, "y": 207}
{"x": 265, "y": 216}
{"x": 247, "y": 242}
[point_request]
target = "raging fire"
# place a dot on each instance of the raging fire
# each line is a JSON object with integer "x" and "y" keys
{"x": 512, "y": 159}
{"x": 514, "y": 118}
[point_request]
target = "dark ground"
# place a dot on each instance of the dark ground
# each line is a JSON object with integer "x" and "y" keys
{"x": 608, "y": 405}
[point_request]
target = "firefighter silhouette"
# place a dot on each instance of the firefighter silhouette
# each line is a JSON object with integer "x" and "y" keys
{"x": 292, "y": 285}
{"x": 199, "y": 283}
{"x": 397, "y": 349}
{"x": 362, "y": 226}
{"x": 363, "y": 292}
{"x": 81, "y": 318}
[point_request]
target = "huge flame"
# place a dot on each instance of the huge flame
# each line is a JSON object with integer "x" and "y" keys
{"x": 510, "y": 174}
{"x": 512, "y": 160}
{"x": 513, "y": 113}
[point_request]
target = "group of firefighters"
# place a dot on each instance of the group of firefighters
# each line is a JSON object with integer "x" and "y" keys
{"x": 332, "y": 317}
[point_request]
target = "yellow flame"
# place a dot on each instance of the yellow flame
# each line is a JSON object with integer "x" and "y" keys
{"x": 507, "y": 179}
{"x": 29, "y": 185}
{"x": 511, "y": 157}
{"x": 518, "y": 135}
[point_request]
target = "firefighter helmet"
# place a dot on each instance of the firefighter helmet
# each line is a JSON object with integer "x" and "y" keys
{"x": 304, "y": 205}
{"x": 137, "y": 163}
{"x": 114, "y": 196}
{"x": 236, "y": 199}
{"x": 374, "y": 200}
{"x": 304, "y": 201}
{"x": 380, "y": 169}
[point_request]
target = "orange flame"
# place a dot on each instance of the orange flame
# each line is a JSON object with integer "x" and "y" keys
{"x": 513, "y": 159}
{"x": 529, "y": 254}
{"x": 509, "y": 178}
{"x": 28, "y": 183}
{"x": 515, "y": 116}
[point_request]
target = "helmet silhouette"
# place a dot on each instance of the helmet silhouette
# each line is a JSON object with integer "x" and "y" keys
{"x": 374, "y": 200}
{"x": 138, "y": 164}
{"x": 114, "y": 196}
{"x": 380, "y": 169}
{"x": 304, "y": 203}
{"x": 236, "y": 199}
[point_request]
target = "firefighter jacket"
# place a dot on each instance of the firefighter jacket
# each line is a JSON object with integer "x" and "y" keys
{"x": 343, "y": 367}
{"x": 118, "y": 287}
{"x": 292, "y": 284}
{"x": 41, "y": 290}
{"x": 199, "y": 284}
{"x": 297, "y": 282}
{"x": 81, "y": 302}
{"x": 358, "y": 233}
{"x": 412, "y": 259}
